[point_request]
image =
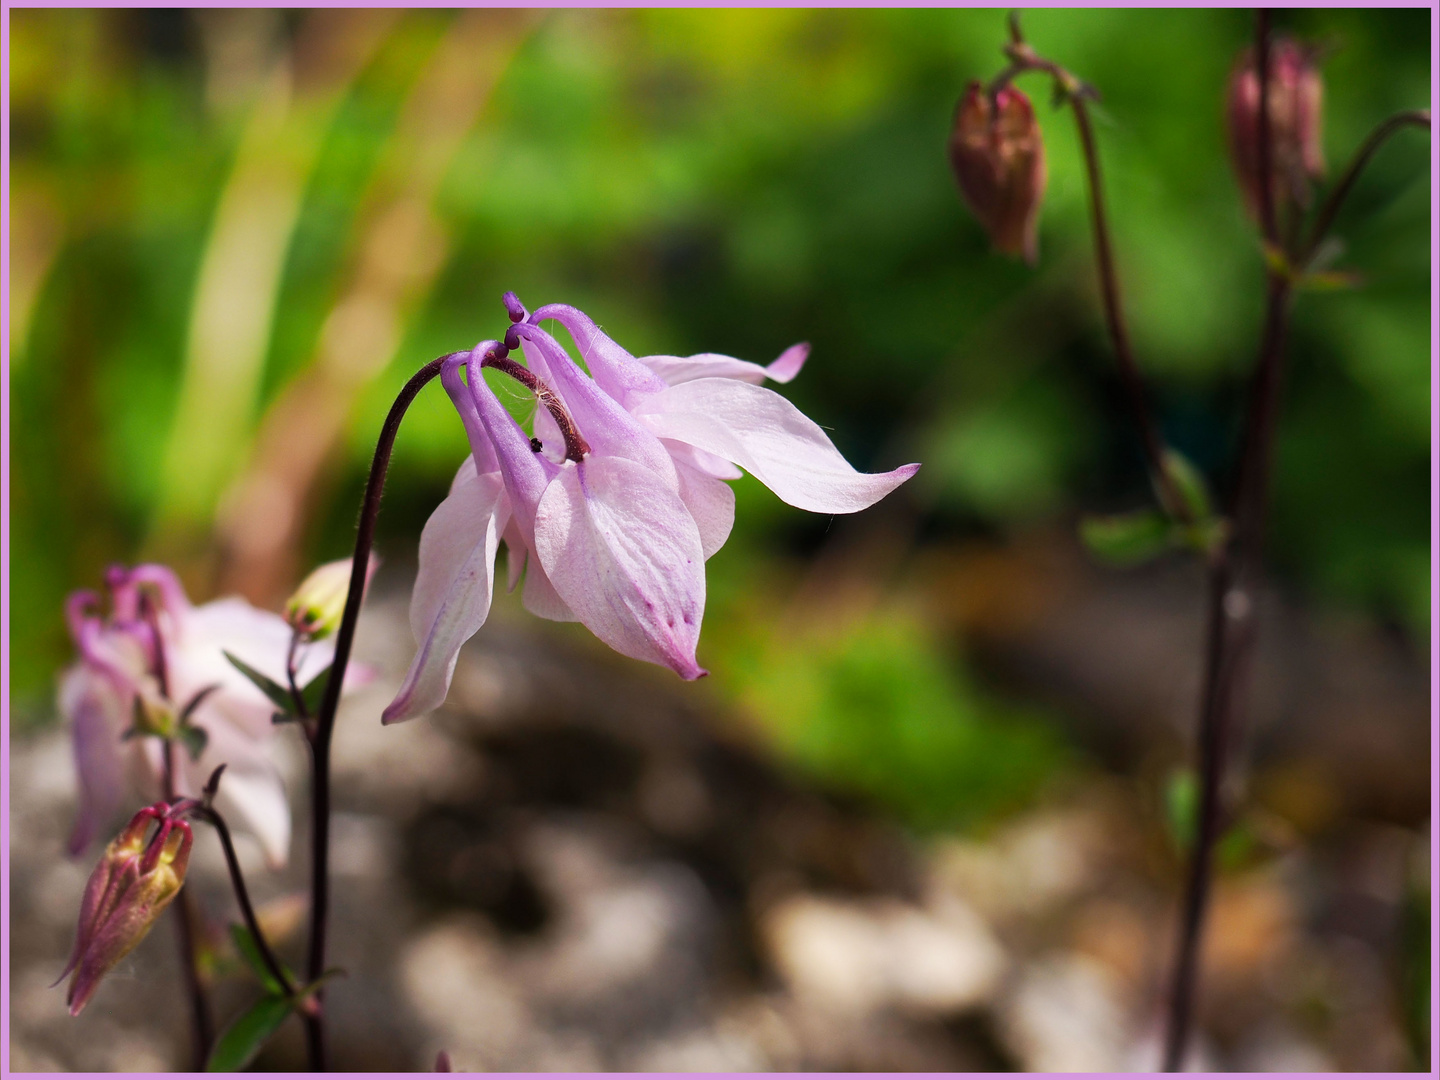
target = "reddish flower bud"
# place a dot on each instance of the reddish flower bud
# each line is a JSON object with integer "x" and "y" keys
{"x": 133, "y": 883}
{"x": 1296, "y": 94}
{"x": 999, "y": 162}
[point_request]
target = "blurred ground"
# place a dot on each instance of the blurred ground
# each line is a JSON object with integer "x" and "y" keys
{"x": 581, "y": 864}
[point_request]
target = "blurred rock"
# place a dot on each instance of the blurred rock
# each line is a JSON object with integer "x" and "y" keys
{"x": 1066, "y": 1014}
{"x": 861, "y": 957}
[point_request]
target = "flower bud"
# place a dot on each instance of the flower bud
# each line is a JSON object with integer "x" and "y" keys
{"x": 1295, "y": 98}
{"x": 133, "y": 883}
{"x": 999, "y": 161}
{"x": 318, "y": 605}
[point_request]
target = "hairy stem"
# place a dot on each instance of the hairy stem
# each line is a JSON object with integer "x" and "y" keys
{"x": 319, "y": 736}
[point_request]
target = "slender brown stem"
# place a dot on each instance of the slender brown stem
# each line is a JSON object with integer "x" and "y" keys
{"x": 1022, "y": 59}
{"x": 319, "y": 737}
{"x": 1230, "y": 633}
{"x": 1233, "y": 595}
{"x": 296, "y": 698}
{"x": 1331, "y": 207}
{"x": 1154, "y": 446}
{"x": 242, "y": 897}
{"x": 1264, "y": 164}
{"x": 202, "y": 1024}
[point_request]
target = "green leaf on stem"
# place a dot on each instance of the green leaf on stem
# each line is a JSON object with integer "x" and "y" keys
{"x": 194, "y": 739}
{"x": 242, "y": 1040}
{"x": 1190, "y": 484}
{"x": 314, "y": 691}
{"x": 246, "y": 945}
{"x": 1182, "y": 808}
{"x": 268, "y": 686}
{"x": 1126, "y": 539}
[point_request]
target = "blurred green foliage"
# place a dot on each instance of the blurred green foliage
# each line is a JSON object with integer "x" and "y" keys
{"x": 734, "y": 181}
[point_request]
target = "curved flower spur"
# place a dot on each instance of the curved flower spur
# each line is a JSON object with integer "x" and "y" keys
{"x": 612, "y": 507}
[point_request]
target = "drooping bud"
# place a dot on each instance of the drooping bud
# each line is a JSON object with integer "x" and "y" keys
{"x": 998, "y": 158}
{"x": 318, "y": 605}
{"x": 1296, "y": 94}
{"x": 129, "y": 888}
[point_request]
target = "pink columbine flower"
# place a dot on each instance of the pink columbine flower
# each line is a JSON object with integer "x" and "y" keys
{"x": 153, "y": 634}
{"x": 128, "y": 889}
{"x": 612, "y": 507}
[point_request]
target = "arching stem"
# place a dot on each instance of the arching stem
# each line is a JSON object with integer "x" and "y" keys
{"x": 320, "y": 733}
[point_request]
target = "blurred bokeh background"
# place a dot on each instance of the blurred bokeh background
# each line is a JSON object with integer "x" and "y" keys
{"x": 235, "y": 233}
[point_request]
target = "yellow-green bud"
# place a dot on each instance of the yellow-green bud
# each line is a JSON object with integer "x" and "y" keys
{"x": 318, "y": 604}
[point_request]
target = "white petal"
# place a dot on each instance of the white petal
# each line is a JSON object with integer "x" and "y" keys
{"x": 516, "y": 553}
{"x": 452, "y": 589}
{"x": 540, "y": 597}
{"x": 97, "y": 713}
{"x": 678, "y": 369}
{"x": 252, "y": 795}
{"x": 624, "y": 553}
{"x": 771, "y": 439}
{"x": 703, "y": 460}
{"x": 711, "y": 503}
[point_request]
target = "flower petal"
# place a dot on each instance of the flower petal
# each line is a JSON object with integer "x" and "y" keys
{"x": 710, "y": 500}
{"x": 612, "y": 367}
{"x": 96, "y": 712}
{"x": 602, "y": 421}
{"x": 540, "y": 597}
{"x": 624, "y": 553}
{"x": 526, "y": 472}
{"x": 678, "y": 369}
{"x": 771, "y": 439}
{"x": 452, "y": 589}
{"x": 252, "y": 793}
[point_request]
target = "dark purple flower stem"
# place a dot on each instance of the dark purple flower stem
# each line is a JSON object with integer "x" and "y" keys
{"x": 319, "y": 734}
{"x": 1235, "y": 570}
{"x": 1232, "y": 599}
{"x": 1326, "y": 217}
{"x": 242, "y": 897}
{"x": 1023, "y": 59}
{"x": 202, "y": 1024}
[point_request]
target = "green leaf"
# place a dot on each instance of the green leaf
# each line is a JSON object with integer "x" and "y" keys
{"x": 1125, "y": 539}
{"x": 194, "y": 739}
{"x": 245, "y": 943}
{"x": 314, "y": 691}
{"x": 1190, "y": 484}
{"x": 243, "y": 1039}
{"x": 1182, "y": 808}
{"x": 271, "y": 689}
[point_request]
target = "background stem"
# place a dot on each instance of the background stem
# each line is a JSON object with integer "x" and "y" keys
{"x": 1115, "y": 323}
{"x": 320, "y": 735}
{"x": 1233, "y": 596}
{"x": 202, "y": 1024}
{"x": 242, "y": 897}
